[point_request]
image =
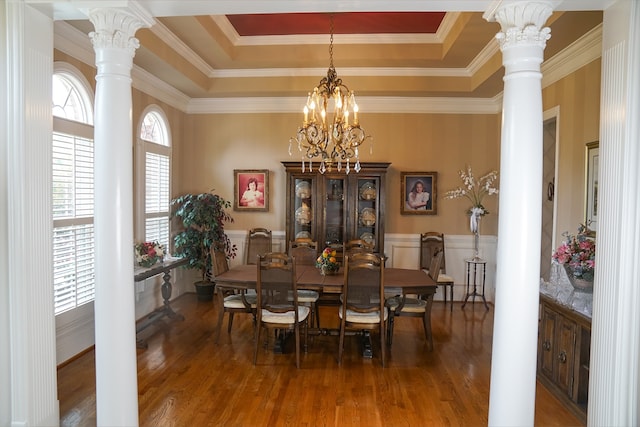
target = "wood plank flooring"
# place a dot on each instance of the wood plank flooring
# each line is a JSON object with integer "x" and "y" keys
{"x": 185, "y": 379}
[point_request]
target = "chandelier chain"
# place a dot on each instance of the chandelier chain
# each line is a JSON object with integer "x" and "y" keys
{"x": 331, "y": 42}
{"x": 331, "y": 140}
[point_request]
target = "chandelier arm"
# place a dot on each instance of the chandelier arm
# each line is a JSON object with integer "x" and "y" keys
{"x": 331, "y": 140}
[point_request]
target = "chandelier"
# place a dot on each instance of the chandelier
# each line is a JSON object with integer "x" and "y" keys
{"x": 332, "y": 141}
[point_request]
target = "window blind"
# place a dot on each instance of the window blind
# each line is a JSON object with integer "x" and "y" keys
{"x": 73, "y": 235}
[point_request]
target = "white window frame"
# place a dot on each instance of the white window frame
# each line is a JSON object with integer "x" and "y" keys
{"x": 142, "y": 148}
{"x": 80, "y": 312}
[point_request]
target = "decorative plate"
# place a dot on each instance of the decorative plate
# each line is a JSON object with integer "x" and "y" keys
{"x": 303, "y": 215}
{"x": 368, "y": 217}
{"x": 303, "y": 190}
{"x": 368, "y": 191}
{"x": 369, "y": 239}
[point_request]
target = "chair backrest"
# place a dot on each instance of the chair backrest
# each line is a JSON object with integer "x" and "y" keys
{"x": 305, "y": 253}
{"x": 220, "y": 263}
{"x": 430, "y": 242}
{"x": 357, "y": 246}
{"x": 364, "y": 282}
{"x": 276, "y": 285}
{"x": 435, "y": 264}
{"x": 258, "y": 243}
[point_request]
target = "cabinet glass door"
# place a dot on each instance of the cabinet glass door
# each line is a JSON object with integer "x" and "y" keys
{"x": 334, "y": 212}
{"x": 304, "y": 205}
{"x": 368, "y": 192}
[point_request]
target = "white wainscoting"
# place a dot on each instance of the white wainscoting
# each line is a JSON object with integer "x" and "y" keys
{"x": 403, "y": 251}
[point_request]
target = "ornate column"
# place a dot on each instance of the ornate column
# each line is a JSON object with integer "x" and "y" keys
{"x": 614, "y": 375}
{"x": 116, "y": 371}
{"x": 28, "y": 386}
{"x": 513, "y": 364}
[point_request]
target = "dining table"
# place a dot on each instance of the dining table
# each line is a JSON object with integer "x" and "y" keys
{"x": 396, "y": 281}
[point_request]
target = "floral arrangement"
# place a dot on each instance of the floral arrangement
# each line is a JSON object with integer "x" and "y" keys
{"x": 327, "y": 261}
{"x": 148, "y": 253}
{"x": 474, "y": 190}
{"x": 578, "y": 253}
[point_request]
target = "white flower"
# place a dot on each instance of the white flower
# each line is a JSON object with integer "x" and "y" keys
{"x": 474, "y": 190}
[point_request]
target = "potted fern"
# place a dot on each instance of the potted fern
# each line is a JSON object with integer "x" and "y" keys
{"x": 203, "y": 219}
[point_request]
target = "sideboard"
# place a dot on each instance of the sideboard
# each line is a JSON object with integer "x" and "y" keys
{"x": 564, "y": 341}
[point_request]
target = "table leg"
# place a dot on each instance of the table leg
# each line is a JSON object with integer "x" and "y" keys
{"x": 468, "y": 284}
{"x": 367, "y": 350}
{"x": 166, "y": 295}
{"x": 427, "y": 321}
{"x": 166, "y": 310}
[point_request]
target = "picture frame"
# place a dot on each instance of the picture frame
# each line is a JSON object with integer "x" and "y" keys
{"x": 592, "y": 173}
{"x": 246, "y": 196}
{"x": 412, "y": 202}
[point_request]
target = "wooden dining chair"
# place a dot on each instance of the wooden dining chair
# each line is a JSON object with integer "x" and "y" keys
{"x": 430, "y": 242}
{"x": 357, "y": 245}
{"x": 230, "y": 301}
{"x": 403, "y": 305}
{"x": 277, "y": 299}
{"x": 305, "y": 252}
{"x": 259, "y": 242}
{"x": 363, "y": 305}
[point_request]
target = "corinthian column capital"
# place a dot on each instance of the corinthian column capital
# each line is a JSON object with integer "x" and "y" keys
{"x": 115, "y": 28}
{"x": 521, "y": 22}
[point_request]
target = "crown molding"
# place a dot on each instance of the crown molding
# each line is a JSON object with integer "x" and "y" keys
{"x": 578, "y": 54}
{"x": 370, "y": 104}
{"x": 181, "y": 48}
{"x": 73, "y": 42}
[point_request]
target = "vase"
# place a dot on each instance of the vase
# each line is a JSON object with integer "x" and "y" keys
{"x": 578, "y": 283}
{"x": 475, "y": 229}
{"x": 326, "y": 271}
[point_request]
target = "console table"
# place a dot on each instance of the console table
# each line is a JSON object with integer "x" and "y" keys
{"x": 142, "y": 273}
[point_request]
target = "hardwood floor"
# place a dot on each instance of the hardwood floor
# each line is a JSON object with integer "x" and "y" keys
{"x": 184, "y": 379}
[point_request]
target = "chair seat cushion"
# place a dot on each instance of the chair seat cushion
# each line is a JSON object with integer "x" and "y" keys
{"x": 443, "y": 279}
{"x": 307, "y": 296}
{"x": 356, "y": 317}
{"x": 235, "y": 301}
{"x": 411, "y": 305}
{"x": 285, "y": 318}
{"x": 392, "y": 292}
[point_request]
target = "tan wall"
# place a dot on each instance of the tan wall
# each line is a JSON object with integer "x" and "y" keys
{"x": 578, "y": 98}
{"x": 216, "y": 144}
{"x": 207, "y": 148}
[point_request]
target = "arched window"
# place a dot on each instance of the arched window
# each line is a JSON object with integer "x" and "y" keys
{"x": 155, "y": 150}
{"x": 72, "y": 189}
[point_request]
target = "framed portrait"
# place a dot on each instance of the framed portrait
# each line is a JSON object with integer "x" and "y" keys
{"x": 418, "y": 190}
{"x": 591, "y": 217}
{"x": 251, "y": 190}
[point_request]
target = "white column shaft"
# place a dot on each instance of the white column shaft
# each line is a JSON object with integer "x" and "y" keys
{"x": 614, "y": 374}
{"x": 28, "y": 382}
{"x": 513, "y": 364}
{"x": 116, "y": 369}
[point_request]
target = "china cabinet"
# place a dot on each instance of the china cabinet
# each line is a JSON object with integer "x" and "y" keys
{"x": 333, "y": 208}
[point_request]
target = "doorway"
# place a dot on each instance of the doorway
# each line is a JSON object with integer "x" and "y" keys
{"x": 549, "y": 150}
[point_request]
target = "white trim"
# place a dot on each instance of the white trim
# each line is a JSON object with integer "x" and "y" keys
{"x": 575, "y": 56}
{"x": 392, "y": 105}
{"x": 583, "y": 51}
